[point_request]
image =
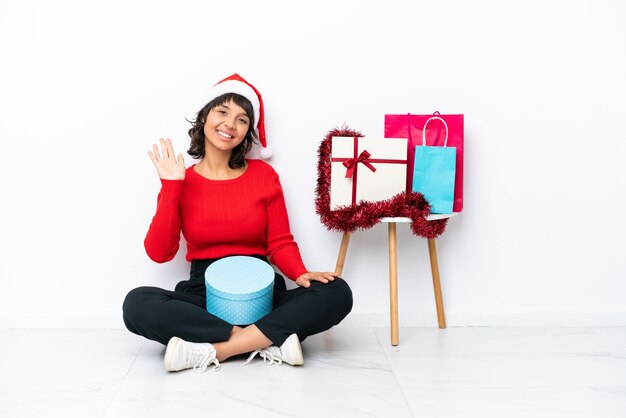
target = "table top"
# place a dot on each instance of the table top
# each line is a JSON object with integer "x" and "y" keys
{"x": 431, "y": 217}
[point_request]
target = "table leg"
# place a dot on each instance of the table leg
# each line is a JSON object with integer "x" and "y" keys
{"x": 434, "y": 267}
{"x": 393, "y": 284}
{"x": 343, "y": 250}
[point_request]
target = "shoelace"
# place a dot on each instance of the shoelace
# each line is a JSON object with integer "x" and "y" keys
{"x": 271, "y": 355}
{"x": 201, "y": 358}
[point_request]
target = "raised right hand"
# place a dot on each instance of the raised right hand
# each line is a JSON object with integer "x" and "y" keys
{"x": 168, "y": 166}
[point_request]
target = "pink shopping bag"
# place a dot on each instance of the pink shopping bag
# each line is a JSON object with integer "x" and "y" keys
{"x": 411, "y": 126}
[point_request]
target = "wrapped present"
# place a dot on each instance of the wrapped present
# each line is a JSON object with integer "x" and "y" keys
{"x": 239, "y": 289}
{"x": 366, "y": 169}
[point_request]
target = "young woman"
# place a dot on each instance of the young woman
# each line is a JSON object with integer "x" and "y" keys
{"x": 228, "y": 205}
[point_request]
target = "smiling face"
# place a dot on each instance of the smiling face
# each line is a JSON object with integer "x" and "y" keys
{"x": 225, "y": 127}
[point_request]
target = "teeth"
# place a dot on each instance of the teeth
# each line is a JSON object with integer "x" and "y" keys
{"x": 224, "y": 135}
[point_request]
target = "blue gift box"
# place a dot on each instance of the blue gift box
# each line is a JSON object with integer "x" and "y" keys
{"x": 239, "y": 289}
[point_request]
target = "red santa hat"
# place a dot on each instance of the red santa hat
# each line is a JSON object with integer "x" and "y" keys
{"x": 236, "y": 84}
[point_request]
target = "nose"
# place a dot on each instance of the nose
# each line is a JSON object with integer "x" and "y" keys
{"x": 231, "y": 122}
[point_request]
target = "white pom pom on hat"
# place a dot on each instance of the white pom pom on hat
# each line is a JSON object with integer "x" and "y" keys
{"x": 237, "y": 84}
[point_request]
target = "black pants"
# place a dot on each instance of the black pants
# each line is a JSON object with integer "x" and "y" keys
{"x": 160, "y": 314}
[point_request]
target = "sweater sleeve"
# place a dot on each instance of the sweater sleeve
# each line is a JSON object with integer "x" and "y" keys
{"x": 282, "y": 249}
{"x": 163, "y": 237}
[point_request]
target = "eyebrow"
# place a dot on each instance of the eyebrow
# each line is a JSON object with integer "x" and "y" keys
{"x": 241, "y": 114}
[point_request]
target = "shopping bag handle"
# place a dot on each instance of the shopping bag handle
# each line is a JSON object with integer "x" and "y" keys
{"x": 445, "y": 142}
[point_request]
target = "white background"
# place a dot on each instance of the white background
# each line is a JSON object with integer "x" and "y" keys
{"x": 87, "y": 87}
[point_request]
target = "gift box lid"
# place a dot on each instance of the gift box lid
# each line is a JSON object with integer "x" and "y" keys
{"x": 239, "y": 278}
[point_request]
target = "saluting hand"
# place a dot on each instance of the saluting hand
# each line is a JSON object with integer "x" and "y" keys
{"x": 168, "y": 166}
{"x": 305, "y": 279}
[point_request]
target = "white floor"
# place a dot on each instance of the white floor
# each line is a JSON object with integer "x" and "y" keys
{"x": 348, "y": 372}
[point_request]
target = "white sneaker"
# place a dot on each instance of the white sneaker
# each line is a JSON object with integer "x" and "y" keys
{"x": 290, "y": 352}
{"x": 181, "y": 354}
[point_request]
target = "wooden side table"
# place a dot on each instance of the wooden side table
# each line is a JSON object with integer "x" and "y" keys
{"x": 393, "y": 271}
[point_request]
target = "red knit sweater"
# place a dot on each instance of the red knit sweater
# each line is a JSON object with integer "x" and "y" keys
{"x": 242, "y": 216}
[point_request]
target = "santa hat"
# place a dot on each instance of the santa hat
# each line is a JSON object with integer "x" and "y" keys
{"x": 236, "y": 84}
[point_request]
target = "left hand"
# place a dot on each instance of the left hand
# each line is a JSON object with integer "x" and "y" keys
{"x": 305, "y": 279}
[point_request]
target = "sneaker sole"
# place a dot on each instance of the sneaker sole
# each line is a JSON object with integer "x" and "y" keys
{"x": 169, "y": 353}
{"x": 298, "y": 359}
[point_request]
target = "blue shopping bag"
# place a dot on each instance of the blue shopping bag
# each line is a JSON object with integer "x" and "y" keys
{"x": 434, "y": 172}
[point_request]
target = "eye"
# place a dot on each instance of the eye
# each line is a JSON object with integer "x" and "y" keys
{"x": 221, "y": 112}
{"x": 243, "y": 121}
